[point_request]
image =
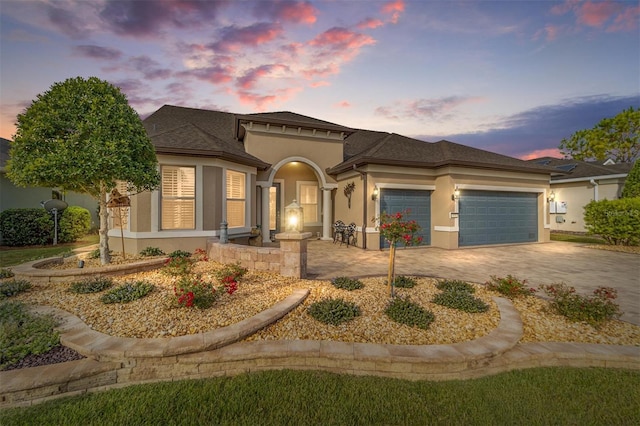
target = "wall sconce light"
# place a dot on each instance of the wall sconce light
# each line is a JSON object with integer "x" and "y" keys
{"x": 294, "y": 217}
{"x": 552, "y": 197}
{"x": 456, "y": 194}
{"x": 374, "y": 194}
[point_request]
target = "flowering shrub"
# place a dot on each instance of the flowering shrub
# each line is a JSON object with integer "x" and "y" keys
{"x": 200, "y": 255}
{"x": 509, "y": 286}
{"x": 176, "y": 266}
{"x": 395, "y": 228}
{"x": 193, "y": 291}
{"x": 234, "y": 270}
{"x": 595, "y": 309}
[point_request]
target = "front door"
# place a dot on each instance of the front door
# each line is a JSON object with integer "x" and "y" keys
{"x": 275, "y": 208}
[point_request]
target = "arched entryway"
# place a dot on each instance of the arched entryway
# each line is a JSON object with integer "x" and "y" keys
{"x": 300, "y": 179}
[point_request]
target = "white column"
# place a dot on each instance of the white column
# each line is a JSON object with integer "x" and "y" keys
{"x": 326, "y": 213}
{"x": 265, "y": 215}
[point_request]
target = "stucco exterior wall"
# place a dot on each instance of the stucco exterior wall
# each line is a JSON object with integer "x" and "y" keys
{"x": 578, "y": 194}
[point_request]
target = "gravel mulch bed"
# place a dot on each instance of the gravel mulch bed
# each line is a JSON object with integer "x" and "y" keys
{"x": 157, "y": 316}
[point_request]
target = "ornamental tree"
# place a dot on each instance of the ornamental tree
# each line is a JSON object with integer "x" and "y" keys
{"x": 82, "y": 135}
{"x": 396, "y": 229}
{"x": 617, "y": 138}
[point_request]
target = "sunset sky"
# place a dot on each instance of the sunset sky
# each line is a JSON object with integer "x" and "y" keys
{"x": 513, "y": 77}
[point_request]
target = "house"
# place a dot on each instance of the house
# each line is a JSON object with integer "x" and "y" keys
{"x": 576, "y": 184}
{"x": 246, "y": 168}
{"x": 13, "y": 197}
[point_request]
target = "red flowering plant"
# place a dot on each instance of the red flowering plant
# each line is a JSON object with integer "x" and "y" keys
{"x": 594, "y": 310}
{"x": 192, "y": 291}
{"x": 397, "y": 229}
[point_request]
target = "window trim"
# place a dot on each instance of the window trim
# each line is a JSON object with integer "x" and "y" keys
{"x": 162, "y": 197}
{"x": 245, "y": 191}
{"x": 316, "y": 184}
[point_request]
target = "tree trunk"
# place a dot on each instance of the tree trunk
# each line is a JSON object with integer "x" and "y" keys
{"x": 392, "y": 262}
{"x": 105, "y": 257}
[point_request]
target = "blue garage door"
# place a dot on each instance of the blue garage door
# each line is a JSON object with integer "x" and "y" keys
{"x": 417, "y": 201}
{"x": 488, "y": 217}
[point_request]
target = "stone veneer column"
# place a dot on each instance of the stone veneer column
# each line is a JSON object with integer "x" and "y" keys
{"x": 293, "y": 253}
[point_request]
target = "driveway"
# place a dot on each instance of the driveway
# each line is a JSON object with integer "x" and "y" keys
{"x": 554, "y": 262}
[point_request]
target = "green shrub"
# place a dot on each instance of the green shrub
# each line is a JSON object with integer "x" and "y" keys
{"x": 631, "y": 187}
{"x": 509, "y": 286}
{"x": 23, "y": 333}
{"x": 333, "y": 311}
{"x": 346, "y": 283}
{"x": 94, "y": 254}
{"x": 179, "y": 254}
{"x": 233, "y": 271}
{"x": 617, "y": 221}
{"x": 6, "y": 273}
{"x": 192, "y": 291}
{"x": 404, "y": 282}
{"x": 461, "y": 300}
{"x": 74, "y": 223}
{"x": 404, "y": 311}
{"x": 128, "y": 292}
{"x": 26, "y": 227}
{"x": 595, "y": 309}
{"x": 13, "y": 287}
{"x": 151, "y": 251}
{"x": 93, "y": 285}
{"x": 455, "y": 285}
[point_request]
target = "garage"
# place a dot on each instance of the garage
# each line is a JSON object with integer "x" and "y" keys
{"x": 494, "y": 217}
{"x": 417, "y": 201}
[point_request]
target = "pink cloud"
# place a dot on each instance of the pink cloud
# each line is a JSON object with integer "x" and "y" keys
{"x": 393, "y": 8}
{"x": 329, "y": 69}
{"x": 341, "y": 42}
{"x": 319, "y": 84}
{"x": 561, "y": 9}
{"x": 627, "y": 20}
{"x": 216, "y": 74}
{"x": 370, "y": 23}
{"x": 287, "y": 11}
{"x": 263, "y": 102}
{"x": 549, "y": 32}
{"x": 343, "y": 104}
{"x": 251, "y": 77}
{"x": 433, "y": 109}
{"x": 548, "y": 152}
{"x": 596, "y": 14}
{"x": 234, "y": 38}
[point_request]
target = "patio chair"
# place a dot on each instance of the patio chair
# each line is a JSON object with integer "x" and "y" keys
{"x": 349, "y": 235}
{"x": 338, "y": 231}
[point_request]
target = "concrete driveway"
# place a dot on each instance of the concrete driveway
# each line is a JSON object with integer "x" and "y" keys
{"x": 554, "y": 262}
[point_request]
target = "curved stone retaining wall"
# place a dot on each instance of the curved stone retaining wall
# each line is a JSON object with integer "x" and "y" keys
{"x": 116, "y": 362}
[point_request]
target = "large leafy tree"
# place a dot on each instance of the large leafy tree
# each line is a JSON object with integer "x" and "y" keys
{"x": 632, "y": 183}
{"x": 82, "y": 135}
{"x": 617, "y": 138}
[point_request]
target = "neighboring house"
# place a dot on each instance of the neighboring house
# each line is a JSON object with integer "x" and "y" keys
{"x": 13, "y": 197}
{"x": 577, "y": 184}
{"x": 246, "y": 168}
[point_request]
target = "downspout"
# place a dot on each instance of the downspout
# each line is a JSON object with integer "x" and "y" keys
{"x": 595, "y": 189}
{"x": 364, "y": 207}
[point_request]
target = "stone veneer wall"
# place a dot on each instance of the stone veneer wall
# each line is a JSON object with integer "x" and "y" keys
{"x": 256, "y": 258}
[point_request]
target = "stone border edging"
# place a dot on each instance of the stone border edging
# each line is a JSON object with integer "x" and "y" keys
{"x": 103, "y": 347}
{"x": 497, "y": 352}
{"x": 30, "y": 271}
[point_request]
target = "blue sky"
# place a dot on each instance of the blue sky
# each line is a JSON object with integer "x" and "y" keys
{"x": 513, "y": 77}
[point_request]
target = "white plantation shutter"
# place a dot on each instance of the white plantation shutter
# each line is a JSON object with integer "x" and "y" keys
{"x": 309, "y": 202}
{"x": 178, "y": 197}
{"x": 236, "y": 200}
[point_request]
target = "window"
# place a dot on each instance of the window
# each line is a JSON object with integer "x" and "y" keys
{"x": 236, "y": 201}
{"x": 178, "y": 197}
{"x": 308, "y": 199}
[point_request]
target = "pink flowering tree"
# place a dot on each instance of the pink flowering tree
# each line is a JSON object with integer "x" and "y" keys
{"x": 397, "y": 229}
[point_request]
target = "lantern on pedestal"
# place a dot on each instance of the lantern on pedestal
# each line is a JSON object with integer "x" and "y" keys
{"x": 294, "y": 217}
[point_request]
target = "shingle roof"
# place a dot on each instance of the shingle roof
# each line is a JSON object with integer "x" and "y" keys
{"x": 393, "y": 149}
{"x": 189, "y": 131}
{"x": 575, "y": 169}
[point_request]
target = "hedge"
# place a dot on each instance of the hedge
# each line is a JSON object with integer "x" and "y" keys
{"x": 74, "y": 223}
{"x": 617, "y": 221}
{"x": 25, "y": 227}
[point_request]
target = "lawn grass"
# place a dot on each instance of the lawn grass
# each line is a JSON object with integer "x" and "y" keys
{"x": 10, "y": 256}
{"x": 535, "y": 396}
{"x": 573, "y": 238}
